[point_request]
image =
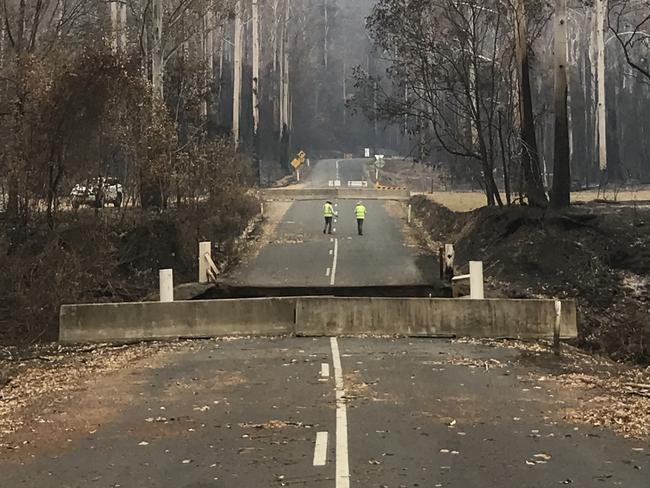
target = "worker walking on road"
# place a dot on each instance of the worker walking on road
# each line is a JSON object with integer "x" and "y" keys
{"x": 360, "y": 214}
{"x": 328, "y": 213}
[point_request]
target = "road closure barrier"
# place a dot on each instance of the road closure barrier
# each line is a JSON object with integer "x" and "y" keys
{"x": 388, "y": 187}
{"x": 316, "y": 316}
{"x": 127, "y": 322}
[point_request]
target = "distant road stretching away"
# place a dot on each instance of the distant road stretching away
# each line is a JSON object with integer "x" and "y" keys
{"x": 300, "y": 255}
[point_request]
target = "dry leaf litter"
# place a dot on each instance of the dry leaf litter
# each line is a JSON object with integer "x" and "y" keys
{"x": 617, "y": 396}
{"x": 45, "y": 374}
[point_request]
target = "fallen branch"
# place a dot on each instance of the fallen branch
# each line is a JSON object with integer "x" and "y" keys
{"x": 638, "y": 393}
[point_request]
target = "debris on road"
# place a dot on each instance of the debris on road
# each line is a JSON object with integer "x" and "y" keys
{"x": 445, "y": 415}
{"x": 34, "y": 376}
{"x": 611, "y": 403}
{"x": 618, "y": 395}
{"x": 271, "y": 424}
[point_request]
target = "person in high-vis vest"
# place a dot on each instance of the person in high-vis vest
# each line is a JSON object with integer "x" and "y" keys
{"x": 328, "y": 213}
{"x": 360, "y": 214}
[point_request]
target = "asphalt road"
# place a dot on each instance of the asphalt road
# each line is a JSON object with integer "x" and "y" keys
{"x": 299, "y": 254}
{"x": 323, "y": 412}
{"x": 343, "y": 170}
{"x": 264, "y": 413}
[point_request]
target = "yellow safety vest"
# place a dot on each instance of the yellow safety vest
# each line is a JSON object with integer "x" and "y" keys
{"x": 328, "y": 211}
{"x": 360, "y": 212}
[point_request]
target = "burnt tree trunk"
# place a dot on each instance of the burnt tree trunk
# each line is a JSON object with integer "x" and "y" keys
{"x": 561, "y": 196}
{"x": 532, "y": 174}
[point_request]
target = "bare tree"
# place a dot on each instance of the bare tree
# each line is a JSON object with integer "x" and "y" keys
{"x": 34, "y": 34}
{"x": 561, "y": 195}
{"x": 529, "y": 151}
{"x": 237, "y": 74}
{"x": 165, "y": 26}
{"x": 601, "y": 80}
{"x": 157, "y": 50}
{"x": 208, "y": 57}
{"x": 453, "y": 59}
{"x": 256, "y": 71}
{"x": 629, "y": 21}
{"x": 118, "y": 25}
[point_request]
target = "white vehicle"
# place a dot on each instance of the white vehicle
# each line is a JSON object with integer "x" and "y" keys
{"x": 97, "y": 193}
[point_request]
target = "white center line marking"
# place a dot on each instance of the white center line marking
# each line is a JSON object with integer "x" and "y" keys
{"x": 331, "y": 252}
{"x": 334, "y": 259}
{"x": 320, "y": 449}
{"x": 327, "y": 271}
{"x": 342, "y": 459}
{"x": 325, "y": 370}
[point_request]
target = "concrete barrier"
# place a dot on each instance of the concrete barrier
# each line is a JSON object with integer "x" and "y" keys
{"x": 123, "y": 322}
{"x": 315, "y": 316}
{"x": 334, "y": 193}
{"x": 496, "y": 318}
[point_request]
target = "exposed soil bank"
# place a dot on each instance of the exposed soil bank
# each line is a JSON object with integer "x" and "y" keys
{"x": 595, "y": 253}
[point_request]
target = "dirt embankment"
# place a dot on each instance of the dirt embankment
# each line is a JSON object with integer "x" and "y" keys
{"x": 406, "y": 173}
{"x": 596, "y": 253}
{"x": 276, "y": 176}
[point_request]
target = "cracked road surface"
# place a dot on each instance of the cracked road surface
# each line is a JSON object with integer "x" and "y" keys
{"x": 325, "y": 413}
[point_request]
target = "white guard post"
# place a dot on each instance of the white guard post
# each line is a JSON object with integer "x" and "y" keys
{"x": 205, "y": 248}
{"x": 556, "y": 328}
{"x": 476, "y": 280}
{"x": 166, "y": 285}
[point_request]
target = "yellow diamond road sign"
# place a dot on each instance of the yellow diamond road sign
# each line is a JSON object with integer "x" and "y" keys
{"x": 300, "y": 158}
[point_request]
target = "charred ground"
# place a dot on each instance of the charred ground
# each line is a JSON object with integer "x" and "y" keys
{"x": 112, "y": 255}
{"x": 596, "y": 253}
